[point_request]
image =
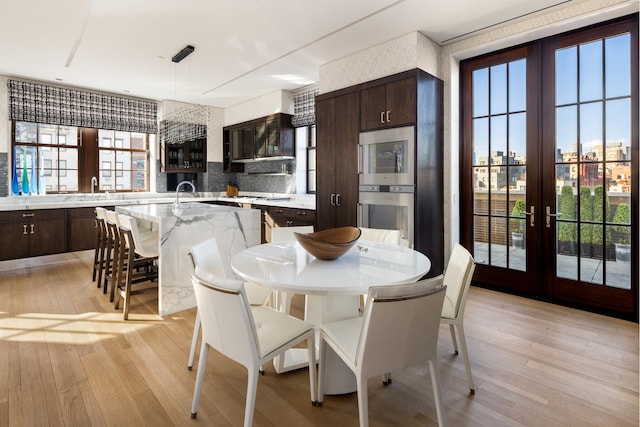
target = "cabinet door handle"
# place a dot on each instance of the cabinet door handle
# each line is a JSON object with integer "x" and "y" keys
{"x": 24, "y": 228}
{"x": 301, "y": 213}
{"x": 32, "y": 230}
{"x": 388, "y": 116}
{"x": 29, "y": 215}
{"x": 360, "y": 157}
{"x": 381, "y": 117}
{"x": 333, "y": 199}
{"x": 279, "y": 211}
{"x": 338, "y": 200}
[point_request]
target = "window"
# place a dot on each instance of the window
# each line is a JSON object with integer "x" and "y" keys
{"x": 306, "y": 158}
{"x": 47, "y": 158}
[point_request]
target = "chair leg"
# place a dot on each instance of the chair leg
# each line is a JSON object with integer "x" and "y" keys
{"x": 363, "y": 401}
{"x": 194, "y": 341}
{"x": 321, "y": 370}
{"x": 252, "y": 388}
{"x": 465, "y": 357}
{"x": 202, "y": 364}
{"x": 311, "y": 346}
{"x": 434, "y": 369}
{"x": 452, "y": 329}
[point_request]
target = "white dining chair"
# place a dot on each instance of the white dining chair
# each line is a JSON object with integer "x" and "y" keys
{"x": 457, "y": 279}
{"x": 281, "y": 234}
{"x": 382, "y": 235}
{"x": 206, "y": 256}
{"x": 248, "y": 336}
{"x": 373, "y": 345}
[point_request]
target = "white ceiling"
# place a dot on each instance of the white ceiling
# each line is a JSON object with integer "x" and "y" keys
{"x": 243, "y": 48}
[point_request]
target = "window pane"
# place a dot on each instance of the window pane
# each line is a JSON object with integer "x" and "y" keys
{"x": 518, "y": 85}
{"x": 68, "y": 135}
{"x": 138, "y": 141}
{"x": 499, "y": 89}
{"x": 498, "y": 242}
{"x": 567, "y": 133}
{"x": 26, "y": 132}
{"x": 481, "y": 92}
{"x": 617, "y": 66}
{"x": 618, "y": 125}
{"x": 481, "y": 141}
{"x": 123, "y": 140}
{"x": 498, "y": 136}
{"x": 480, "y": 242}
{"x": 518, "y": 137}
{"x": 566, "y": 76}
{"x": 480, "y": 190}
{"x": 590, "y": 127}
{"x": 591, "y": 71}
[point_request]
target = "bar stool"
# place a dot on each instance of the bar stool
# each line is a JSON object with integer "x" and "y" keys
{"x": 137, "y": 265}
{"x": 113, "y": 260}
{"x": 102, "y": 236}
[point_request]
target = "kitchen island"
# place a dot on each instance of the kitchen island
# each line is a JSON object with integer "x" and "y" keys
{"x": 234, "y": 229}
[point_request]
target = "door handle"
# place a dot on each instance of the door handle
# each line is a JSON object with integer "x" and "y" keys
{"x": 548, "y": 216}
{"x": 32, "y": 230}
{"x": 532, "y": 217}
{"x": 388, "y": 116}
{"x": 24, "y": 228}
{"x": 338, "y": 200}
{"x": 381, "y": 117}
{"x": 360, "y": 155}
{"x": 333, "y": 199}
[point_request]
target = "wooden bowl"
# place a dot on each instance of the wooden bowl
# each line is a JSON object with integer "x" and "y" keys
{"x": 329, "y": 244}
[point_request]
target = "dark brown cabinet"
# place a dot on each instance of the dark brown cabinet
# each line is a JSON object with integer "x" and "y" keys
{"x": 271, "y": 136}
{"x": 32, "y": 233}
{"x": 337, "y": 156}
{"x": 388, "y": 104}
{"x": 274, "y": 216}
{"x": 410, "y": 98}
{"x": 191, "y": 156}
{"x": 82, "y": 227}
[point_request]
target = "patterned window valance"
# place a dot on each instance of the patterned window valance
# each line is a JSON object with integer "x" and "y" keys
{"x": 39, "y": 103}
{"x": 304, "y": 108}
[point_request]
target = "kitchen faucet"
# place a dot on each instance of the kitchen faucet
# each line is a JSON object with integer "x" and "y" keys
{"x": 94, "y": 184}
{"x": 176, "y": 204}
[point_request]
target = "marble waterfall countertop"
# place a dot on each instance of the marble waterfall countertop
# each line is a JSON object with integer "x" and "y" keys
{"x": 55, "y": 201}
{"x": 233, "y": 228}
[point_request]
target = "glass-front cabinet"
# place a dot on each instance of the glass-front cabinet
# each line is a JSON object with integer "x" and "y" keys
{"x": 190, "y": 156}
{"x": 271, "y": 136}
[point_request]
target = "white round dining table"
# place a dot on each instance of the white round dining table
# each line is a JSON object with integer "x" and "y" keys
{"x": 288, "y": 266}
{"x": 332, "y": 289}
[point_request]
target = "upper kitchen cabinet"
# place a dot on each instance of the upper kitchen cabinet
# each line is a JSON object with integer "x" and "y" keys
{"x": 259, "y": 139}
{"x": 337, "y": 159}
{"x": 190, "y": 156}
{"x": 388, "y": 102}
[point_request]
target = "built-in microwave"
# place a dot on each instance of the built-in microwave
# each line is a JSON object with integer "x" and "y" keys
{"x": 387, "y": 157}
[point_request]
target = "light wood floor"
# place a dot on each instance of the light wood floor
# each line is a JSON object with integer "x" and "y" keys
{"x": 68, "y": 359}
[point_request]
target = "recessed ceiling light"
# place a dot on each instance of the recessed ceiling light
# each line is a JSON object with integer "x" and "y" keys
{"x": 59, "y": 79}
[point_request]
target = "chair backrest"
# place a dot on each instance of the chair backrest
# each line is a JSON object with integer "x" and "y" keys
{"x": 382, "y": 235}
{"x": 227, "y": 321}
{"x": 205, "y": 257}
{"x": 400, "y": 326}
{"x": 101, "y": 212}
{"x": 457, "y": 279}
{"x": 280, "y": 234}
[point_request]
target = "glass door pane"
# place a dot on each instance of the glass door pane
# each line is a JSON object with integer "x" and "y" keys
{"x": 593, "y": 162}
{"x": 499, "y": 140}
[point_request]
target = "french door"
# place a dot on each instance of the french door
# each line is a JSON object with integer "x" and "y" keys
{"x": 550, "y": 168}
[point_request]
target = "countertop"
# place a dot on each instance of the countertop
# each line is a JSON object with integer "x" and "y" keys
{"x": 57, "y": 201}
